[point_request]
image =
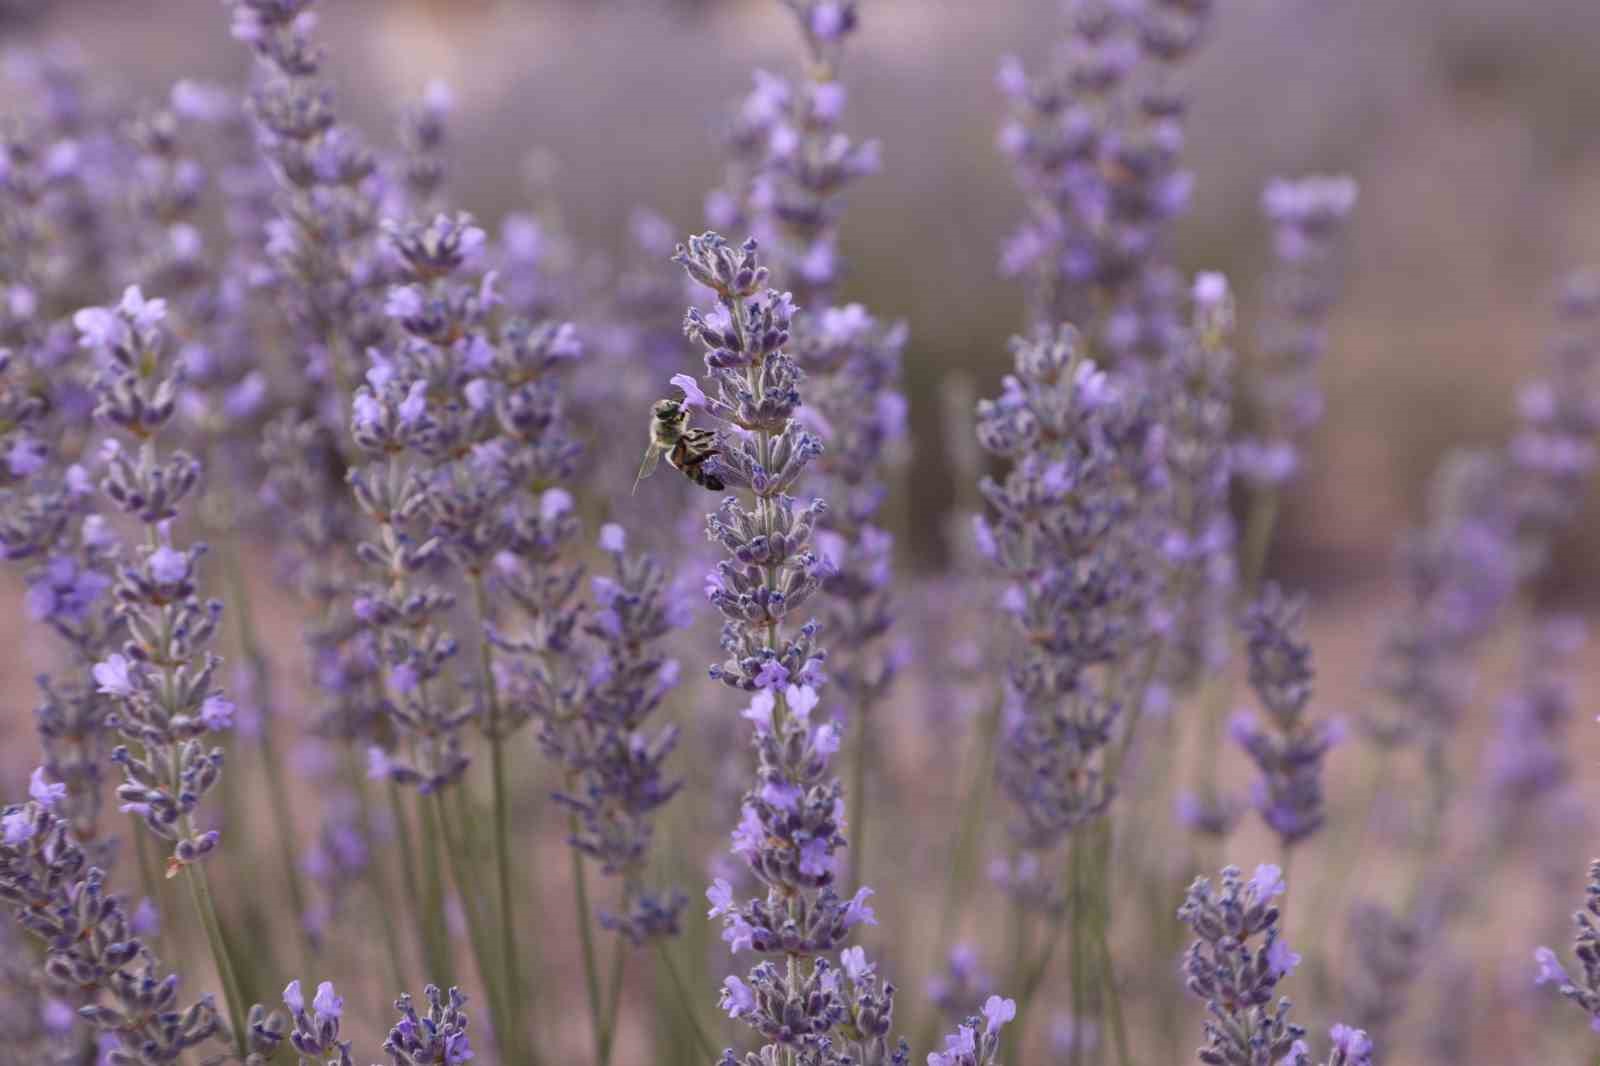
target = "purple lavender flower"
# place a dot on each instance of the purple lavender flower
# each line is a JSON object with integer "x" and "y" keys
{"x": 1554, "y": 450}
{"x": 1347, "y": 1047}
{"x": 1236, "y": 974}
{"x": 1584, "y": 989}
{"x": 1097, "y": 141}
{"x": 1068, "y": 536}
{"x": 117, "y": 983}
{"x": 437, "y": 1038}
{"x": 1308, "y": 216}
{"x": 162, "y": 679}
{"x": 1290, "y": 756}
{"x": 315, "y": 1034}
{"x": 1387, "y": 954}
{"x": 792, "y": 817}
{"x": 962, "y": 985}
{"x": 615, "y": 761}
{"x": 971, "y": 1046}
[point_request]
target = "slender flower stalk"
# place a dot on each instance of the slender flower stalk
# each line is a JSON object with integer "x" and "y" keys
{"x": 162, "y": 679}
{"x": 791, "y": 167}
{"x": 791, "y": 821}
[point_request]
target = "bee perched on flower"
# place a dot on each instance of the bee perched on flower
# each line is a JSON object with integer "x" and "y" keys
{"x": 685, "y": 448}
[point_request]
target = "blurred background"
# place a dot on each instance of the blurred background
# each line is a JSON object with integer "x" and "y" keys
{"x": 1467, "y": 122}
{"x": 1470, "y": 125}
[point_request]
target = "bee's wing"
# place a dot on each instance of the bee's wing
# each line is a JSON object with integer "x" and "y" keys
{"x": 652, "y": 456}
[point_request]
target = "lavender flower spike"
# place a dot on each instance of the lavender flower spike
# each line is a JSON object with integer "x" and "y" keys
{"x": 1585, "y": 989}
{"x": 1290, "y": 756}
{"x": 1349, "y": 1047}
{"x": 971, "y": 1046}
{"x": 1235, "y": 967}
{"x": 791, "y": 821}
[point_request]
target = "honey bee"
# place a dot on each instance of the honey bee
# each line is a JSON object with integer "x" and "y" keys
{"x": 686, "y": 449}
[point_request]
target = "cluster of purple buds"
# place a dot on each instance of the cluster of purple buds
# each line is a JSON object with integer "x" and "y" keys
{"x": 1290, "y": 754}
{"x": 1386, "y": 956}
{"x": 792, "y": 820}
{"x": 1347, "y": 1047}
{"x": 852, "y": 370}
{"x": 794, "y": 166}
{"x": 1554, "y": 452}
{"x": 1584, "y": 990}
{"x": 830, "y": 1014}
{"x": 1064, "y": 530}
{"x": 1529, "y": 771}
{"x": 962, "y": 984}
{"x": 1097, "y": 140}
{"x": 162, "y": 679}
{"x": 49, "y": 525}
{"x": 336, "y": 862}
{"x": 305, "y": 490}
{"x": 616, "y": 765}
{"x": 971, "y": 1045}
{"x": 1481, "y": 540}
{"x": 59, "y": 204}
{"x": 422, "y": 134}
{"x": 323, "y": 241}
{"x": 315, "y": 1035}
{"x": 93, "y": 960}
{"x": 790, "y": 162}
{"x": 1235, "y": 966}
{"x": 1308, "y": 218}
{"x": 1458, "y": 572}
{"x": 437, "y": 1038}
{"x": 392, "y": 425}
{"x": 169, "y": 186}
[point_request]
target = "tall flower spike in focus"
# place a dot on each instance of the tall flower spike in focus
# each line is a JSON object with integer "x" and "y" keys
{"x": 791, "y": 169}
{"x": 163, "y": 677}
{"x": 798, "y": 998}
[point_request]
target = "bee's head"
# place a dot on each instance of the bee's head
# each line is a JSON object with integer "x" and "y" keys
{"x": 666, "y": 410}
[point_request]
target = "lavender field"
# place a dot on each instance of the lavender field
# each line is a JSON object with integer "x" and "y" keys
{"x": 799, "y": 532}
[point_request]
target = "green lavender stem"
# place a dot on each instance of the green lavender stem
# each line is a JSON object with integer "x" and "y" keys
{"x": 251, "y": 651}
{"x": 477, "y": 934}
{"x": 974, "y": 804}
{"x": 1108, "y": 977}
{"x": 436, "y": 941}
{"x": 707, "y": 1049}
{"x": 378, "y": 873}
{"x": 619, "y": 965}
{"x": 200, "y": 889}
{"x": 502, "y": 807}
{"x": 591, "y": 973}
